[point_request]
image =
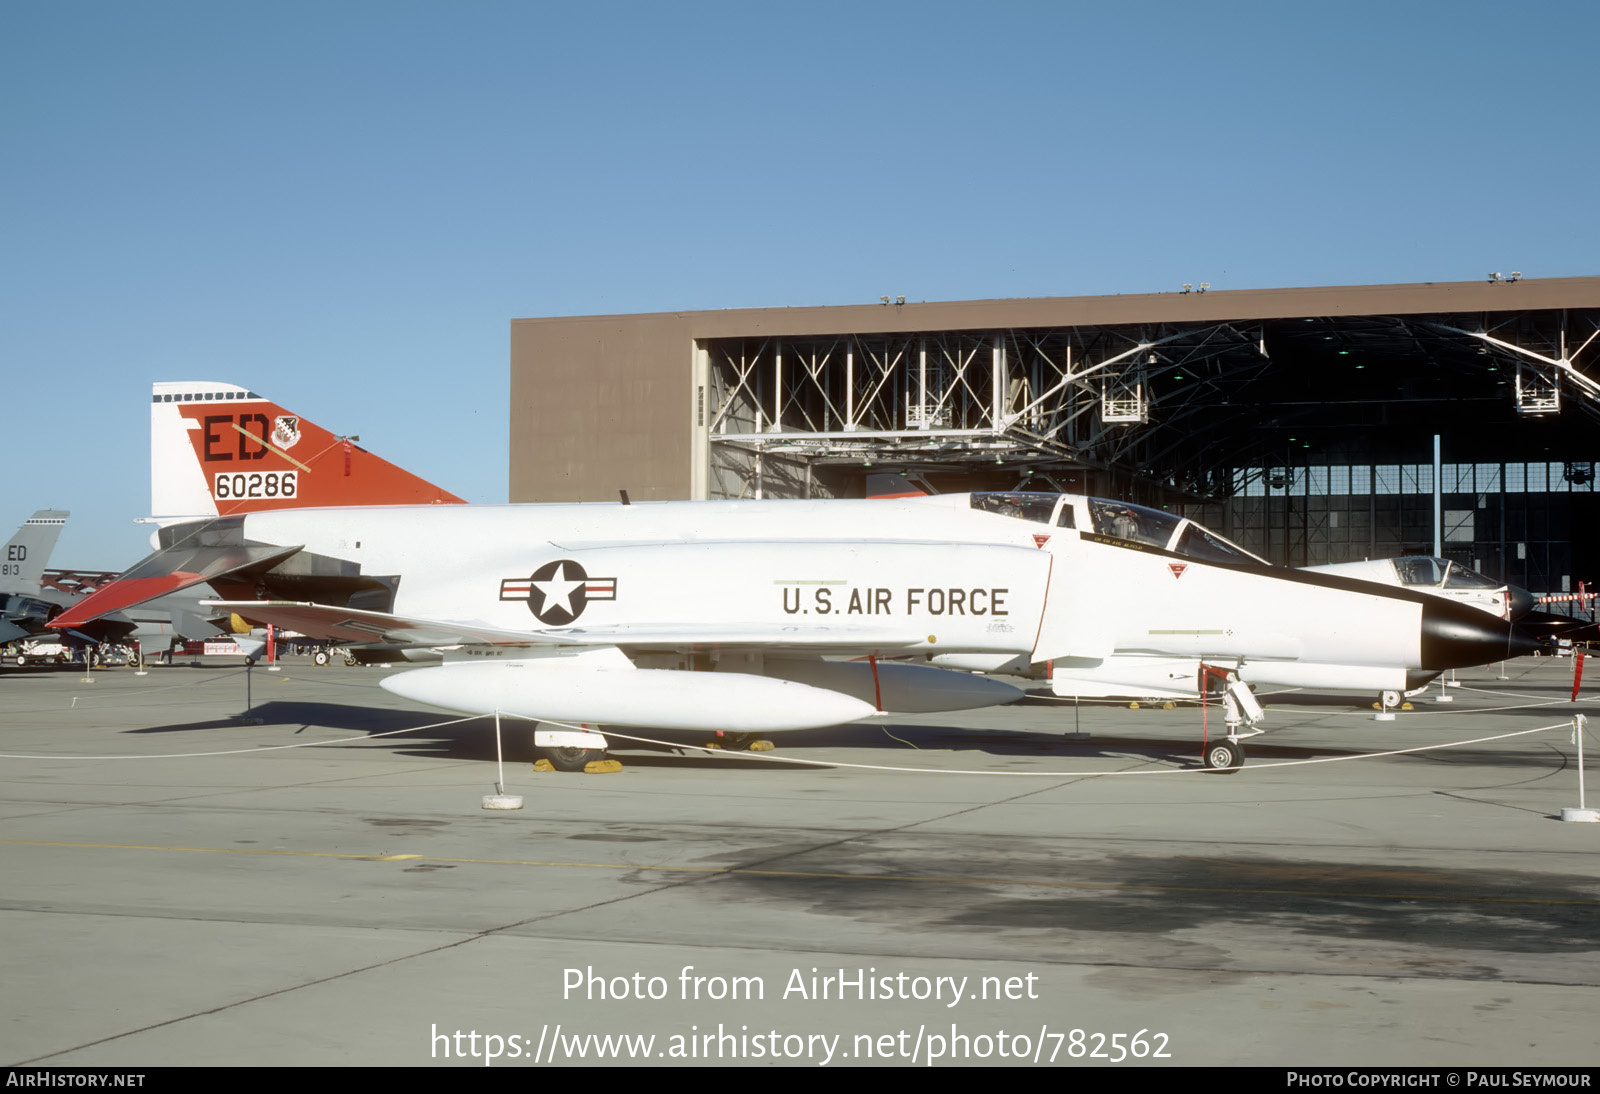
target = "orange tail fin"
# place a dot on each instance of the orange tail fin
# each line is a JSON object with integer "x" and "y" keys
{"x": 220, "y": 450}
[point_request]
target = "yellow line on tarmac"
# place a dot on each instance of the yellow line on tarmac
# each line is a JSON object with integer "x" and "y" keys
{"x": 817, "y": 874}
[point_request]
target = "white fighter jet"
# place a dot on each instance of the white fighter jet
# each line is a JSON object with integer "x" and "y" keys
{"x": 1452, "y": 580}
{"x": 1440, "y": 577}
{"x": 726, "y": 615}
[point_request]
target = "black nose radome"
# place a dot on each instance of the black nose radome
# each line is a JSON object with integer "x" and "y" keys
{"x": 1457, "y": 636}
{"x": 1522, "y": 601}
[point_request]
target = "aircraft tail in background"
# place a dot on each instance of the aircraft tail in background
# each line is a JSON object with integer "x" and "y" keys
{"x": 22, "y": 565}
{"x": 220, "y": 450}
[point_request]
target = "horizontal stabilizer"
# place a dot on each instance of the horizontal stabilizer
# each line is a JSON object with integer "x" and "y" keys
{"x": 192, "y": 626}
{"x": 168, "y": 571}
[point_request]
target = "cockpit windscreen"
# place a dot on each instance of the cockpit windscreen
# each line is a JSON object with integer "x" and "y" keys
{"x": 1420, "y": 570}
{"x": 1464, "y": 577}
{"x": 1023, "y": 505}
{"x": 1206, "y": 546}
{"x": 1134, "y": 523}
{"x": 1118, "y": 520}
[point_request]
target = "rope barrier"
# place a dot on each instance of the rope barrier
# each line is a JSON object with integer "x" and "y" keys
{"x": 609, "y": 733}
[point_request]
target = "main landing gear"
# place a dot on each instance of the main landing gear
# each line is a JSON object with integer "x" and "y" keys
{"x": 739, "y": 742}
{"x": 573, "y": 759}
{"x": 574, "y": 750}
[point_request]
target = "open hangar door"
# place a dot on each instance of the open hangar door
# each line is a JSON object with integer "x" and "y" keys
{"x": 1307, "y": 439}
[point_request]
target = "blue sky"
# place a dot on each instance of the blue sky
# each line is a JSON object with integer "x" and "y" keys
{"x": 343, "y": 204}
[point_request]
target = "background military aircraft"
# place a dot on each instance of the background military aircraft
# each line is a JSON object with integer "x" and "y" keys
{"x": 23, "y": 611}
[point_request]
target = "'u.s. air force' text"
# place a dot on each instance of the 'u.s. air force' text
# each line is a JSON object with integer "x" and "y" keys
{"x": 825, "y": 600}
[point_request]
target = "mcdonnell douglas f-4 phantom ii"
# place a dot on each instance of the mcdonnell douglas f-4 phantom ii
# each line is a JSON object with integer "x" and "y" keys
{"x": 1447, "y": 578}
{"x": 726, "y": 615}
{"x": 1440, "y": 577}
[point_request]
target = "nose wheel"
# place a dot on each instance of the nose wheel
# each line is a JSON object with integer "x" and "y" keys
{"x": 1241, "y": 712}
{"x": 1224, "y": 757}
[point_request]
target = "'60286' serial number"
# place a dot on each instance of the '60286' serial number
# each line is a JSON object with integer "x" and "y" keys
{"x": 255, "y": 484}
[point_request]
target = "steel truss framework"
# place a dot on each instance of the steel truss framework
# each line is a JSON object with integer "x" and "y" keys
{"x": 1162, "y": 410}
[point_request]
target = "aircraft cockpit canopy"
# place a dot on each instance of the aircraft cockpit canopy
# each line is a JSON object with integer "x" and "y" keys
{"x": 1118, "y": 520}
{"x": 1025, "y": 505}
{"x": 1134, "y": 523}
{"x": 1415, "y": 570}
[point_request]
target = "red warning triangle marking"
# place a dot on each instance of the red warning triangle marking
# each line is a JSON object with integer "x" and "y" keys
{"x": 1177, "y": 568}
{"x": 1040, "y": 541}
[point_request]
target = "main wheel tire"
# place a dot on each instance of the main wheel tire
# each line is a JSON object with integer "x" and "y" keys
{"x": 321, "y": 657}
{"x": 1391, "y": 700}
{"x": 1224, "y": 757}
{"x": 21, "y": 660}
{"x": 573, "y": 759}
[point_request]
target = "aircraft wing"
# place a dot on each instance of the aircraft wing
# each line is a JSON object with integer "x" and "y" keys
{"x": 350, "y": 626}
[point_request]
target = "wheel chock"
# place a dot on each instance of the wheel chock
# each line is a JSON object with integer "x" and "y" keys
{"x": 1133, "y": 706}
{"x": 712, "y": 744}
{"x": 1169, "y": 706}
{"x": 762, "y": 745}
{"x": 593, "y": 767}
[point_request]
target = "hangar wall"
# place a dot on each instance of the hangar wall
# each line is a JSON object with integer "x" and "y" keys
{"x": 600, "y": 404}
{"x": 1522, "y": 522}
{"x": 651, "y": 403}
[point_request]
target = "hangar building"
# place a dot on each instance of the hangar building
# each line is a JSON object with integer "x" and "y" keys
{"x": 1299, "y": 422}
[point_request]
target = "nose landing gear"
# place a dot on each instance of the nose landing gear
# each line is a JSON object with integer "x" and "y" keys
{"x": 1240, "y": 714}
{"x": 1225, "y": 756}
